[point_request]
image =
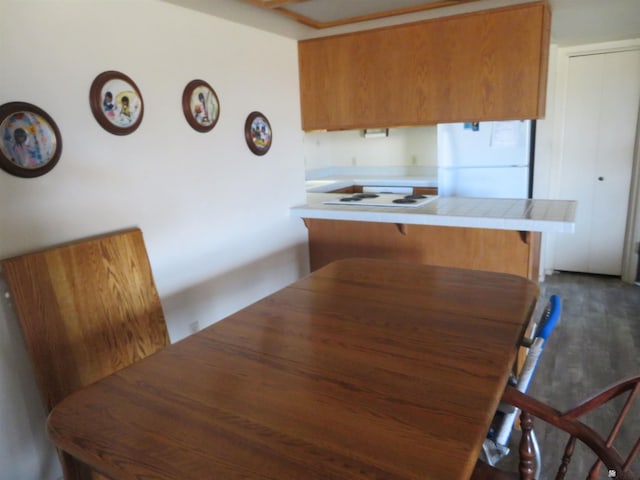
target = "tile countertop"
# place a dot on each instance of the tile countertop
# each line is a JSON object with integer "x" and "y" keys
{"x": 495, "y": 213}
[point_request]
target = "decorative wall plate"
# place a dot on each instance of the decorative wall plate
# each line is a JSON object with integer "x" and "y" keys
{"x": 116, "y": 103}
{"x": 30, "y": 142}
{"x": 258, "y": 133}
{"x": 200, "y": 105}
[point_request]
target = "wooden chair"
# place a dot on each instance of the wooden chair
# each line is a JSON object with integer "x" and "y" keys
{"x": 86, "y": 310}
{"x": 619, "y": 467}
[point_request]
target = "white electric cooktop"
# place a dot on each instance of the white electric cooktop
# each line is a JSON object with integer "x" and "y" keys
{"x": 381, "y": 200}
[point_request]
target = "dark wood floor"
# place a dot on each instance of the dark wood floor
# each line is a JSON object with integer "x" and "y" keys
{"x": 596, "y": 342}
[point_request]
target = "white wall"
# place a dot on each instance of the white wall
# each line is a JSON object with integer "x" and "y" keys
{"x": 213, "y": 248}
{"x": 542, "y": 169}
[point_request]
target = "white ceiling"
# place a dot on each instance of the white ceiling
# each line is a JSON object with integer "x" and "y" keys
{"x": 573, "y": 21}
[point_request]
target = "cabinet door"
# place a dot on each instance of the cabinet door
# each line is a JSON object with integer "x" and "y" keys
{"x": 349, "y": 189}
{"x": 494, "y": 65}
{"x": 482, "y": 66}
{"x": 425, "y": 190}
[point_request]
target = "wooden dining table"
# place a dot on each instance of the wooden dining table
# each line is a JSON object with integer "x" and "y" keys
{"x": 364, "y": 369}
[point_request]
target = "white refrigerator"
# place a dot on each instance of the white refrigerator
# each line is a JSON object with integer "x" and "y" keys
{"x": 486, "y": 159}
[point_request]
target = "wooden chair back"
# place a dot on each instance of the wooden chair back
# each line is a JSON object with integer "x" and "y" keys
{"x": 619, "y": 466}
{"x": 86, "y": 310}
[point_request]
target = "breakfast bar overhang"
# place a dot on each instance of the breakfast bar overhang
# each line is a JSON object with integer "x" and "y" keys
{"x": 499, "y": 235}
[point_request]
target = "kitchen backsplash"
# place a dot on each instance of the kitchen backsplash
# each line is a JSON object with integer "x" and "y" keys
{"x": 404, "y": 149}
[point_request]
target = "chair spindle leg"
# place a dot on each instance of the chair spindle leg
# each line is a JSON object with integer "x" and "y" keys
{"x": 527, "y": 452}
{"x": 566, "y": 458}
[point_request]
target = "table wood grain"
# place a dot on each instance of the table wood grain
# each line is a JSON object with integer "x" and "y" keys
{"x": 365, "y": 369}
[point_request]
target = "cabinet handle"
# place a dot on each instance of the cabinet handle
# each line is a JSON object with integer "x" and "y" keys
{"x": 600, "y": 179}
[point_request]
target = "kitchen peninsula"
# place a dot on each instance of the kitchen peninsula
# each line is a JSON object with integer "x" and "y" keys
{"x": 500, "y": 235}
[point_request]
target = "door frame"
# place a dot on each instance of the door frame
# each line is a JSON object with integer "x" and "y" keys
{"x": 631, "y": 254}
{"x": 557, "y": 131}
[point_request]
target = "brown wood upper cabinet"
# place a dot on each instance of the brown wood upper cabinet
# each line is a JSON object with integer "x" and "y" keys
{"x": 489, "y": 65}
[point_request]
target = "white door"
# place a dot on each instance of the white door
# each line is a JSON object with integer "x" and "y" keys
{"x": 603, "y": 94}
